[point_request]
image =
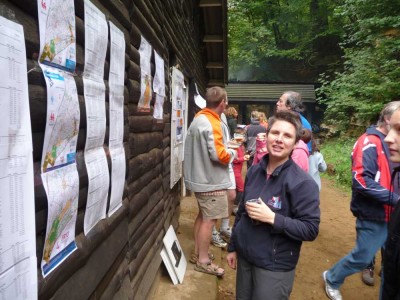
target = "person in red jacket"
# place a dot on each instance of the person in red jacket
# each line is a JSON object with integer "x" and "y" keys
{"x": 371, "y": 191}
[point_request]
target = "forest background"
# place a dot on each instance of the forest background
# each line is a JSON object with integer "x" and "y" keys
{"x": 350, "y": 49}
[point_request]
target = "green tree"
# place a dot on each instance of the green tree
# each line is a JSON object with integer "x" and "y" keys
{"x": 291, "y": 30}
{"x": 371, "y": 70}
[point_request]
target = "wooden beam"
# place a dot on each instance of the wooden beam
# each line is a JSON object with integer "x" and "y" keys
{"x": 215, "y": 65}
{"x": 216, "y": 82}
{"x": 213, "y": 39}
{"x": 210, "y": 3}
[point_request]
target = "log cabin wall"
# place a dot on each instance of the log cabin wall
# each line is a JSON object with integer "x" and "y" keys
{"x": 121, "y": 255}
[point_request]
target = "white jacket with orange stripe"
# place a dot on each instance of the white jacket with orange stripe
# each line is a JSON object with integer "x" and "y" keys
{"x": 206, "y": 158}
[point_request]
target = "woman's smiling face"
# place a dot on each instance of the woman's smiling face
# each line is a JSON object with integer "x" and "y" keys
{"x": 281, "y": 140}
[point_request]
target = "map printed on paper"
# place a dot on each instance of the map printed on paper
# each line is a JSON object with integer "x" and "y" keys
{"x": 57, "y": 33}
{"x": 62, "y": 189}
{"x": 62, "y": 124}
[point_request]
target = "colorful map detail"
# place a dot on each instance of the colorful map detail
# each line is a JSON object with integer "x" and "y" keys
{"x": 63, "y": 117}
{"x": 62, "y": 189}
{"x": 57, "y": 33}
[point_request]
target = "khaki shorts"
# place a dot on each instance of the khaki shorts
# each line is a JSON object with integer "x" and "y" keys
{"x": 213, "y": 206}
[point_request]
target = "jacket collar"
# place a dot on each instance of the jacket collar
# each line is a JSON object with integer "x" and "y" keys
{"x": 264, "y": 162}
{"x": 207, "y": 111}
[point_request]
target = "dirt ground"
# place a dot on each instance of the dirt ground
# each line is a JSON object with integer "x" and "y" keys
{"x": 336, "y": 238}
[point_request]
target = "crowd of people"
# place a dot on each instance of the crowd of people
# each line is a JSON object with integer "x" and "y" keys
{"x": 276, "y": 207}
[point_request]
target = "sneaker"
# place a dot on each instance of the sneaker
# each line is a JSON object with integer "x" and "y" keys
{"x": 226, "y": 234}
{"x": 367, "y": 276}
{"x": 333, "y": 294}
{"x": 217, "y": 241}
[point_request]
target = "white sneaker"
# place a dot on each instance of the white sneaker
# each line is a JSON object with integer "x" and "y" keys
{"x": 333, "y": 294}
{"x": 226, "y": 234}
{"x": 217, "y": 241}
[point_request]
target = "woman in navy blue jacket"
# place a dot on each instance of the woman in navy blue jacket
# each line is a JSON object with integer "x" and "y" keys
{"x": 282, "y": 212}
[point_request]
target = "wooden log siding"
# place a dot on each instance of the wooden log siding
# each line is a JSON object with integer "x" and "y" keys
{"x": 120, "y": 256}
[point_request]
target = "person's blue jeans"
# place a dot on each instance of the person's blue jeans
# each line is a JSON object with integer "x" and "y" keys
{"x": 371, "y": 236}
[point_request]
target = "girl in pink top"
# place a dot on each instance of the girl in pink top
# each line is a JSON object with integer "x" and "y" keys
{"x": 300, "y": 152}
{"x": 261, "y": 147}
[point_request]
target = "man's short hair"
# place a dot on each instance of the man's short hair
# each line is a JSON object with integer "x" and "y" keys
{"x": 290, "y": 117}
{"x": 387, "y": 112}
{"x": 214, "y": 96}
{"x": 293, "y": 101}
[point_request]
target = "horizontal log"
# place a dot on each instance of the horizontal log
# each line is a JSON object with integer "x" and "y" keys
{"x": 147, "y": 197}
{"x": 134, "y": 54}
{"x": 134, "y": 71}
{"x": 113, "y": 281}
{"x": 134, "y": 91}
{"x": 135, "y": 36}
{"x": 144, "y": 142}
{"x": 135, "y": 186}
{"x": 143, "y": 162}
{"x": 140, "y": 123}
{"x": 93, "y": 272}
{"x": 147, "y": 31}
{"x": 142, "y": 286}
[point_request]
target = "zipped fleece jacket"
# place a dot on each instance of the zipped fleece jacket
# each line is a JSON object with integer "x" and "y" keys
{"x": 294, "y": 197}
{"x": 206, "y": 159}
{"x": 371, "y": 189}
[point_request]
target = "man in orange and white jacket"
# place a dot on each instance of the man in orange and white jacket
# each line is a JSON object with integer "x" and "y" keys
{"x": 206, "y": 161}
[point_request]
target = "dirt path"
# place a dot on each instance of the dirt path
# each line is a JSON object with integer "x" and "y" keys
{"x": 336, "y": 238}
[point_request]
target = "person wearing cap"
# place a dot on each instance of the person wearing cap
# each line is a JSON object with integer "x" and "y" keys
{"x": 206, "y": 161}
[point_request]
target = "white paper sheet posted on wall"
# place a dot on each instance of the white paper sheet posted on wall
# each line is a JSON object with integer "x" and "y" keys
{"x": 173, "y": 257}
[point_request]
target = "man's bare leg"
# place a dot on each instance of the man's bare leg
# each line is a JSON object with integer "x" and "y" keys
{"x": 196, "y": 228}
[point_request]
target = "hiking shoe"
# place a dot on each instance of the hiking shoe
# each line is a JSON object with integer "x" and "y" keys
{"x": 367, "y": 276}
{"x": 226, "y": 234}
{"x": 333, "y": 294}
{"x": 217, "y": 241}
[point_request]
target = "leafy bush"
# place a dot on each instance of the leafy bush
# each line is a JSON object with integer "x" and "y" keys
{"x": 337, "y": 154}
{"x": 370, "y": 74}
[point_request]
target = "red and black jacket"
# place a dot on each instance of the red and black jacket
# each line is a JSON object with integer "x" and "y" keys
{"x": 371, "y": 188}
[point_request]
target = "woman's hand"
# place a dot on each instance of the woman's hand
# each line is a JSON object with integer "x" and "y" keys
{"x": 260, "y": 211}
{"x": 231, "y": 259}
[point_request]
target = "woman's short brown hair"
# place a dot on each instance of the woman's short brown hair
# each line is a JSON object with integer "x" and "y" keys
{"x": 290, "y": 117}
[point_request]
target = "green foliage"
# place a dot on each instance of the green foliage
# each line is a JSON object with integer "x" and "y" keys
{"x": 337, "y": 154}
{"x": 261, "y": 29}
{"x": 371, "y": 71}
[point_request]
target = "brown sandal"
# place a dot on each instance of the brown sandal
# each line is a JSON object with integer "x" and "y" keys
{"x": 208, "y": 268}
{"x": 195, "y": 257}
